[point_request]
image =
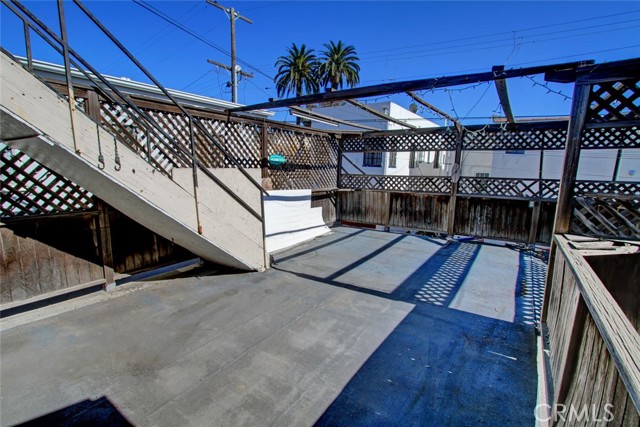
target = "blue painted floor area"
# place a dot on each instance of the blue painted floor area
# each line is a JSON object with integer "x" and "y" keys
{"x": 443, "y": 367}
{"x": 471, "y": 365}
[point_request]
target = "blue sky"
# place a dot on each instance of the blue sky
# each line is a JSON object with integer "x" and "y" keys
{"x": 395, "y": 41}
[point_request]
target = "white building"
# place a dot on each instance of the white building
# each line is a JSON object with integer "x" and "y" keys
{"x": 375, "y": 163}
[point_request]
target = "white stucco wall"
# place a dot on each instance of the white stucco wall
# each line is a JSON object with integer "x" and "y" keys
{"x": 345, "y": 111}
{"x": 594, "y": 164}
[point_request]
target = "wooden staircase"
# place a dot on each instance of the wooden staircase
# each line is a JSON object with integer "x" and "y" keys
{"x": 197, "y": 214}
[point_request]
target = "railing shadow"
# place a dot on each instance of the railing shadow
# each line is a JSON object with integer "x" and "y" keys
{"x": 95, "y": 413}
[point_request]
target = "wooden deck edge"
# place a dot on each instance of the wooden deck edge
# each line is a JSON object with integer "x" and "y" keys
{"x": 544, "y": 399}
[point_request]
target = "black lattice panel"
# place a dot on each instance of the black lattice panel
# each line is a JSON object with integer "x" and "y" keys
{"x": 29, "y": 188}
{"x": 611, "y": 137}
{"x": 614, "y": 101}
{"x": 437, "y": 139}
{"x": 603, "y": 216}
{"x": 499, "y": 187}
{"x": 504, "y": 139}
{"x": 622, "y": 188}
{"x": 418, "y": 184}
{"x": 311, "y": 160}
{"x": 550, "y": 189}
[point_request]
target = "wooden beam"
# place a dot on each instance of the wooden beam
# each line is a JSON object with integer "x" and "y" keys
{"x": 432, "y": 108}
{"x": 571, "y": 157}
{"x": 264, "y": 151}
{"x": 379, "y": 114}
{"x": 411, "y": 85}
{"x": 106, "y": 253}
{"x": 597, "y": 73}
{"x": 93, "y": 106}
{"x": 455, "y": 177}
{"x": 313, "y": 114}
{"x": 535, "y": 220}
{"x": 503, "y": 94}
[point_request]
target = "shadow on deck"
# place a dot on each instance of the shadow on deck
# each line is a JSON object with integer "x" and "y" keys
{"x": 465, "y": 354}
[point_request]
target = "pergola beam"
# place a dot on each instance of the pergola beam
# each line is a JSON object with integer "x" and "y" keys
{"x": 310, "y": 114}
{"x": 503, "y": 95}
{"x": 432, "y": 108}
{"x": 380, "y": 115}
{"x": 411, "y": 85}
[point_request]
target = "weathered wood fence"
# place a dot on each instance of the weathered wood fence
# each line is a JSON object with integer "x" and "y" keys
{"x": 593, "y": 318}
{"x": 51, "y": 253}
{"x": 482, "y": 217}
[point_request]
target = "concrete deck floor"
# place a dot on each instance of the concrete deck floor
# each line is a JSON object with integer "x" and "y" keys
{"x": 355, "y": 328}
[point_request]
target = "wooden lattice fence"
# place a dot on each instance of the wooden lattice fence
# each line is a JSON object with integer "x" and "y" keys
{"x": 312, "y": 160}
{"x": 610, "y": 209}
{"x": 30, "y": 188}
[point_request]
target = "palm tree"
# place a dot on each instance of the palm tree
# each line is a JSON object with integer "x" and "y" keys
{"x": 297, "y": 71}
{"x": 338, "y": 65}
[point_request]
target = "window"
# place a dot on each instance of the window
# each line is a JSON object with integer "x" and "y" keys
{"x": 393, "y": 158}
{"x": 417, "y": 157}
{"x": 372, "y": 159}
{"x": 482, "y": 174}
{"x": 515, "y": 151}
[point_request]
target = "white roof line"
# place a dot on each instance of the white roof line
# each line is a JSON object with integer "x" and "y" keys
{"x": 132, "y": 86}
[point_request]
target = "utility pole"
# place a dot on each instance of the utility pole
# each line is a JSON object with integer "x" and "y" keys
{"x": 233, "y": 15}
{"x": 226, "y": 67}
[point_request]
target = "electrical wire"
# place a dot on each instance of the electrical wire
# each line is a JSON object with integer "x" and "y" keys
{"x": 504, "y": 32}
{"x": 197, "y": 80}
{"x": 197, "y": 36}
{"x": 466, "y": 48}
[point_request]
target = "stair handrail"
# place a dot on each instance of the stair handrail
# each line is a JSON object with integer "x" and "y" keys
{"x": 175, "y": 147}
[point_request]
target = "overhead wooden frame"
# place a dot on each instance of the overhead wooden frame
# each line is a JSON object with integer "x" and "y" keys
{"x": 312, "y": 114}
{"x": 380, "y": 115}
{"x": 503, "y": 94}
{"x": 569, "y": 68}
{"x": 433, "y": 108}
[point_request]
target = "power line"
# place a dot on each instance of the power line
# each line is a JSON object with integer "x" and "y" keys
{"x": 448, "y": 51}
{"x": 162, "y": 15}
{"x": 155, "y": 38}
{"x": 197, "y": 80}
{"x": 504, "y": 32}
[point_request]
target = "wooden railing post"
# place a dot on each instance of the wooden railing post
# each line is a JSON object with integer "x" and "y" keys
{"x": 264, "y": 151}
{"x": 455, "y": 177}
{"x": 572, "y": 156}
{"x": 92, "y": 106}
{"x": 338, "y": 179}
{"x": 106, "y": 252}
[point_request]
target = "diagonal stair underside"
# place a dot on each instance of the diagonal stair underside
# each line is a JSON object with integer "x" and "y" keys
{"x": 37, "y": 121}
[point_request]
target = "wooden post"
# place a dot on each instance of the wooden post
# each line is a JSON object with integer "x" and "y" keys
{"x": 535, "y": 215}
{"x": 535, "y": 220}
{"x": 264, "y": 151}
{"x": 338, "y": 179}
{"x": 340, "y": 154}
{"x": 572, "y": 156}
{"x": 104, "y": 230}
{"x": 93, "y": 105}
{"x": 455, "y": 177}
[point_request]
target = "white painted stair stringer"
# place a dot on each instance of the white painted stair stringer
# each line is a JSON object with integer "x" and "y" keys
{"x": 37, "y": 121}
